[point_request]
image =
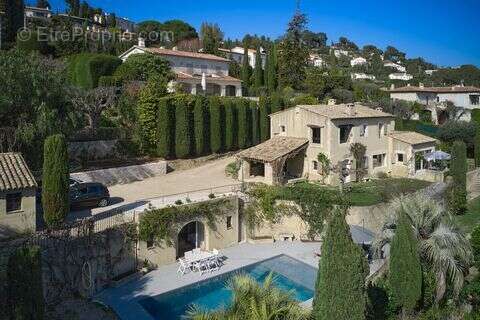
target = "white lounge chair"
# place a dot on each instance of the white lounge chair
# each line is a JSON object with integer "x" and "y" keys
{"x": 183, "y": 266}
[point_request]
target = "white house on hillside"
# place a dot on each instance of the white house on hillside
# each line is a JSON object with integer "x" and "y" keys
{"x": 358, "y": 61}
{"x": 338, "y": 52}
{"x": 362, "y": 76}
{"x": 194, "y": 70}
{"x": 316, "y": 60}
{"x": 400, "y": 76}
{"x": 394, "y": 65}
{"x": 435, "y": 98}
{"x": 237, "y": 54}
{"x": 39, "y": 13}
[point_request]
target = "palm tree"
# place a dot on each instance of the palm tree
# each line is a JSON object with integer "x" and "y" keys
{"x": 254, "y": 301}
{"x": 441, "y": 244}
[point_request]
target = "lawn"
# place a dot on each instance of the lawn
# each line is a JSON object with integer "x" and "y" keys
{"x": 471, "y": 218}
{"x": 382, "y": 190}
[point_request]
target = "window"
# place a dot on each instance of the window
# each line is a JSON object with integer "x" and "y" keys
{"x": 282, "y": 128}
{"x": 474, "y": 100}
{"x": 345, "y": 133}
{"x": 400, "y": 157}
{"x": 378, "y": 160}
{"x": 365, "y": 162}
{"x": 363, "y": 130}
{"x": 438, "y": 99}
{"x": 316, "y": 135}
{"x": 229, "y": 222}
{"x": 150, "y": 242}
{"x": 14, "y": 201}
{"x": 315, "y": 165}
{"x": 219, "y": 71}
{"x": 381, "y": 130}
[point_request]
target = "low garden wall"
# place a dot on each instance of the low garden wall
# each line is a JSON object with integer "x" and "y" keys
{"x": 473, "y": 182}
{"x": 92, "y": 150}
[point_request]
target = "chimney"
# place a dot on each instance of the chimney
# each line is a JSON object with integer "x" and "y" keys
{"x": 141, "y": 42}
{"x": 421, "y": 85}
{"x": 332, "y": 102}
{"x": 351, "y": 109}
{"x": 408, "y": 84}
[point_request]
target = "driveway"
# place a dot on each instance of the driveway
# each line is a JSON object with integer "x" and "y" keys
{"x": 133, "y": 195}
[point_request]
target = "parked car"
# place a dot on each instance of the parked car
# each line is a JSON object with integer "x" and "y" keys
{"x": 89, "y": 194}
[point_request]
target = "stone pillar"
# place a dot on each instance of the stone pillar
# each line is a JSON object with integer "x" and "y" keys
{"x": 238, "y": 90}
{"x": 223, "y": 90}
{"x": 245, "y": 170}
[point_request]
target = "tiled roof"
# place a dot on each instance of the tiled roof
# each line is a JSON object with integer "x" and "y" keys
{"x": 344, "y": 111}
{"x": 454, "y": 89}
{"x": 14, "y": 172}
{"x": 273, "y": 149}
{"x": 185, "y": 54}
{"x": 411, "y": 137}
{"x": 186, "y": 76}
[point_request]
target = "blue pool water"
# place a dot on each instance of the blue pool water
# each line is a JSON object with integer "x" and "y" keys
{"x": 289, "y": 274}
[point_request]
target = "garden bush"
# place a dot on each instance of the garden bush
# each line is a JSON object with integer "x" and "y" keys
{"x": 243, "y": 124}
{"x": 458, "y": 170}
{"x": 255, "y": 123}
{"x": 184, "y": 132}
{"x": 85, "y": 69}
{"x": 217, "y": 122}
{"x": 231, "y": 125}
{"x": 264, "y": 108}
{"x": 165, "y": 128}
{"x": 200, "y": 126}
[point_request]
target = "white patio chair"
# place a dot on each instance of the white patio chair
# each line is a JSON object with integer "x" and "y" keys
{"x": 196, "y": 250}
{"x": 213, "y": 264}
{"x": 216, "y": 254}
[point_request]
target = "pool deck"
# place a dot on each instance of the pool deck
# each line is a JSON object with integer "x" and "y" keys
{"x": 124, "y": 300}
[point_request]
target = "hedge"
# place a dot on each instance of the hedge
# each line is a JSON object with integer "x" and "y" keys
{"x": 85, "y": 69}
{"x": 231, "y": 125}
{"x": 255, "y": 123}
{"x": 200, "y": 126}
{"x": 165, "y": 128}
{"x": 476, "y": 116}
{"x": 264, "y": 106}
{"x": 217, "y": 122}
{"x": 183, "y": 126}
{"x": 243, "y": 124}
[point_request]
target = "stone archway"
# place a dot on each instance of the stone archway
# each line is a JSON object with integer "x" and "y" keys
{"x": 190, "y": 237}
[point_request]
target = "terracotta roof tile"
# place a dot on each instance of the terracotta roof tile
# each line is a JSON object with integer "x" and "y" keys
{"x": 185, "y": 54}
{"x": 273, "y": 149}
{"x": 14, "y": 172}
{"x": 344, "y": 111}
{"x": 411, "y": 137}
{"x": 454, "y": 89}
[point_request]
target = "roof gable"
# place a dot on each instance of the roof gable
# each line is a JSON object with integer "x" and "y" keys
{"x": 14, "y": 173}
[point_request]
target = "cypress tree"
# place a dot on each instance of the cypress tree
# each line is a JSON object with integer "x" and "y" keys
{"x": 255, "y": 123}
{"x": 25, "y": 285}
{"x": 458, "y": 169}
{"x": 230, "y": 125}
{"x": 246, "y": 72}
{"x": 272, "y": 69}
{"x": 12, "y": 20}
{"x": 243, "y": 124}
{"x": 277, "y": 103}
{"x": 258, "y": 70}
{"x": 477, "y": 149}
{"x": 55, "y": 186}
{"x": 166, "y": 128}
{"x": 216, "y": 124}
{"x": 265, "y": 71}
{"x": 405, "y": 273}
{"x": 183, "y": 127}
{"x": 340, "y": 287}
{"x": 264, "y": 106}
{"x": 200, "y": 120}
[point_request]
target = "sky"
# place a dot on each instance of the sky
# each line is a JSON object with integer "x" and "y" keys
{"x": 444, "y": 32}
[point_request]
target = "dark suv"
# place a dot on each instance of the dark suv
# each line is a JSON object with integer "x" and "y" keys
{"x": 89, "y": 194}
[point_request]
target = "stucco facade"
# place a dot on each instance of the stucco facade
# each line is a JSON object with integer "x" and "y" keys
{"x": 18, "y": 221}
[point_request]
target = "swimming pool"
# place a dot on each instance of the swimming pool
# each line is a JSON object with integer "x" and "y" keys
{"x": 289, "y": 274}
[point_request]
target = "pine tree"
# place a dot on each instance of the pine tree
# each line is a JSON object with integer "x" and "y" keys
{"x": 477, "y": 149}
{"x": 24, "y": 284}
{"x": 165, "y": 128}
{"x": 216, "y": 124}
{"x": 183, "y": 127}
{"x": 243, "y": 124}
{"x": 458, "y": 169}
{"x": 200, "y": 121}
{"x": 231, "y": 124}
{"x": 258, "y": 70}
{"x": 264, "y": 106}
{"x": 255, "y": 123}
{"x": 405, "y": 273}
{"x": 55, "y": 186}
{"x": 340, "y": 288}
{"x": 246, "y": 71}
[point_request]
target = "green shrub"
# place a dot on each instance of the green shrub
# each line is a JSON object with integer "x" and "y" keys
{"x": 109, "y": 81}
{"x": 231, "y": 170}
{"x": 25, "y": 286}
{"x": 243, "y": 124}
{"x": 139, "y": 67}
{"x": 216, "y": 124}
{"x": 200, "y": 126}
{"x": 475, "y": 242}
{"x": 55, "y": 185}
{"x": 34, "y": 44}
{"x": 458, "y": 170}
{"x": 231, "y": 125}
{"x": 183, "y": 126}
{"x": 255, "y": 123}
{"x": 477, "y": 149}
{"x": 85, "y": 69}
{"x": 304, "y": 99}
{"x": 166, "y": 128}
{"x": 264, "y": 106}
{"x": 476, "y": 116}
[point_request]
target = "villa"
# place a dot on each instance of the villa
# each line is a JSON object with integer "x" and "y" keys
{"x": 237, "y": 54}
{"x": 194, "y": 70}
{"x": 358, "y": 61}
{"x": 435, "y": 98}
{"x": 301, "y": 133}
{"x": 362, "y": 76}
{"x": 400, "y": 76}
{"x": 394, "y": 65}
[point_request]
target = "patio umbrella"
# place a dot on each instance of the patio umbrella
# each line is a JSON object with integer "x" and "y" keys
{"x": 204, "y": 82}
{"x": 437, "y": 155}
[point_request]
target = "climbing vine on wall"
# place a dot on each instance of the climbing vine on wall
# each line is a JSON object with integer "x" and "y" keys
{"x": 309, "y": 201}
{"x": 162, "y": 224}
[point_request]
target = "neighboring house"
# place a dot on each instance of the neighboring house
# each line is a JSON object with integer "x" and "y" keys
{"x": 125, "y": 24}
{"x": 17, "y": 195}
{"x": 362, "y": 76}
{"x": 430, "y": 72}
{"x": 400, "y": 76}
{"x": 316, "y": 60}
{"x": 37, "y": 13}
{"x": 435, "y": 99}
{"x": 338, "y": 52}
{"x": 190, "y": 67}
{"x": 394, "y": 65}
{"x": 237, "y": 54}
{"x": 301, "y": 133}
{"x": 359, "y": 61}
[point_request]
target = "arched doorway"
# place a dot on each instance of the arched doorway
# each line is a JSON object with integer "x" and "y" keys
{"x": 190, "y": 237}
